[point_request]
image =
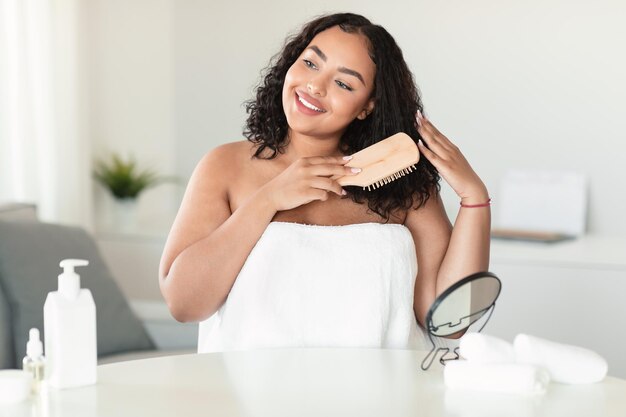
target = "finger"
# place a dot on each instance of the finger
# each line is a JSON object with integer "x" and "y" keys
{"x": 427, "y": 129}
{"x": 424, "y": 126}
{"x": 330, "y": 170}
{"x": 427, "y": 125}
{"x": 334, "y": 160}
{"x": 430, "y": 155}
{"x": 313, "y": 194}
{"x": 419, "y": 117}
{"x": 326, "y": 184}
{"x": 433, "y": 144}
{"x": 437, "y": 144}
{"x": 423, "y": 120}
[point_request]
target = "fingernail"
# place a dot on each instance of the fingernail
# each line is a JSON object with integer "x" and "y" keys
{"x": 347, "y": 158}
{"x": 419, "y": 114}
{"x": 343, "y": 192}
{"x": 356, "y": 170}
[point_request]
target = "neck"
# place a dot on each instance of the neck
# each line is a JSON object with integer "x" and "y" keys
{"x": 302, "y": 146}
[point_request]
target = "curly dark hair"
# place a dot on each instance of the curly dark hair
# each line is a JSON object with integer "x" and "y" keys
{"x": 396, "y": 97}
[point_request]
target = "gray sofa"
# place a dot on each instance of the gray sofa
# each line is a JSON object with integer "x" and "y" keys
{"x": 30, "y": 252}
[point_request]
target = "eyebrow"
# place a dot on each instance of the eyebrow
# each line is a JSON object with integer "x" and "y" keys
{"x": 344, "y": 70}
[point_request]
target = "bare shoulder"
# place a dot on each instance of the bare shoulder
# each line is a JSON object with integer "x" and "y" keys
{"x": 205, "y": 205}
{"x": 226, "y": 157}
{"x": 208, "y": 192}
{"x": 222, "y": 164}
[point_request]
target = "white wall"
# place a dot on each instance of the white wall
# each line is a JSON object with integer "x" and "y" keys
{"x": 529, "y": 84}
{"x": 129, "y": 55}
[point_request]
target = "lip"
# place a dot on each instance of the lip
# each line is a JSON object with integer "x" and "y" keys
{"x": 311, "y": 100}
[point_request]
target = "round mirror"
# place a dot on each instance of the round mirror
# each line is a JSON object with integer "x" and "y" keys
{"x": 463, "y": 303}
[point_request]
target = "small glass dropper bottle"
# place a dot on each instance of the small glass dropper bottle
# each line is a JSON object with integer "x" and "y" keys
{"x": 34, "y": 362}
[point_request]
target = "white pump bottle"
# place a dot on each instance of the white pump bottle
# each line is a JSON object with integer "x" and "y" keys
{"x": 70, "y": 331}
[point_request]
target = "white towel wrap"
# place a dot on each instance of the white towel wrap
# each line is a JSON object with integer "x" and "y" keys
{"x": 565, "y": 363}
{"x": 321, "y": 286}
{"x": 481, "y": 348}
{"x": 513, "y": 378}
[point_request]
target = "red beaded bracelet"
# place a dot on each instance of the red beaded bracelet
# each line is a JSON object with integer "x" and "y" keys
{"x": 487, "y": 204}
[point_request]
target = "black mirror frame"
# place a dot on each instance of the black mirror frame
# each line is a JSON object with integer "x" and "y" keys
{"x": 426, "y": 363}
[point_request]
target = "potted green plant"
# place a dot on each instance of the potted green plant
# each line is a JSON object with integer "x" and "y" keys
{"x": 123, "y": 178}
{"x": 125, "y": 181}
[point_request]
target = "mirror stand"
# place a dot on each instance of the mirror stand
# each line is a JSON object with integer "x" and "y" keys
{"x": 430, "y": 358}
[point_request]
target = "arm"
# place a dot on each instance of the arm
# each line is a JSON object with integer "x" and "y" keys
{"x": 208, "y": 245}
{"x": 431, "y": 231}
{"x": 447, "y": 254}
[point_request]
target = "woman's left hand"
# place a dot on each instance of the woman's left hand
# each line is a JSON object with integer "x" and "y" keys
{"x": 450, "y": 163}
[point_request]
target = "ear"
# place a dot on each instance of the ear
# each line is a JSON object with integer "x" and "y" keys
{"x": 369, "y": 107}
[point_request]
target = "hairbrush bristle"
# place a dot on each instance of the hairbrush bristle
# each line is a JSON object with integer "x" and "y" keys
{"x": 381, "y": 163}
{"x": 390, "y": 178}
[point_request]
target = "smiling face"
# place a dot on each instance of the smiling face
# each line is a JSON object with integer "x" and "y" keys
{"x": 329, "y": 85}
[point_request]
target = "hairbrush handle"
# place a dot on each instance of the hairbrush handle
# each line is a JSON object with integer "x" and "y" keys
{"x": 384, "y": 161}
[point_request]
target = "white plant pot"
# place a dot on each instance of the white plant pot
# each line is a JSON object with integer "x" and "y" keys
{"x": 125, "y": 214}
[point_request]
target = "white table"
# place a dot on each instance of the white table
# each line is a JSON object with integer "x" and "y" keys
{"x": 304, "y": 382}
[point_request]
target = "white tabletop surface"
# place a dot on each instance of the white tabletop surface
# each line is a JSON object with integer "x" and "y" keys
{"x": 304, "y": 382}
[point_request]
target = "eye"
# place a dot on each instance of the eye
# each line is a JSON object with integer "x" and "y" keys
{"x": 343, "y": 85}
{"x": 309, "y": 64}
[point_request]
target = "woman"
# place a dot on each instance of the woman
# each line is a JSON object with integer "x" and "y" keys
{"x": 285, "y": 256}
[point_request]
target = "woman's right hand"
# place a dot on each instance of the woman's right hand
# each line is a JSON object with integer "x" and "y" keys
{"x": 306, "y": 180}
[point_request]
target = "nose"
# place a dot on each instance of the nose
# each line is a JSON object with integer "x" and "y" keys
{"x": 315, "y": 88}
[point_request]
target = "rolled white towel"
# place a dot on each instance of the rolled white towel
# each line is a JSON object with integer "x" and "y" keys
{"x": 481, "y": 348}
{"x": 513, "y": 378}
{"x": 565, "y": 363}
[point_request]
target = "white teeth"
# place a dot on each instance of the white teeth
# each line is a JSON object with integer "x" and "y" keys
{"x": 309, "y": 105}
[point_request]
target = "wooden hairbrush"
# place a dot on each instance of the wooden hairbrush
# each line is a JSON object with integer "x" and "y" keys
{"x": 382, "y": 162}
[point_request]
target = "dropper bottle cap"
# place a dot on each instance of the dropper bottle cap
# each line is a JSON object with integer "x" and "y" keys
{"x": 34, "y": 347}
